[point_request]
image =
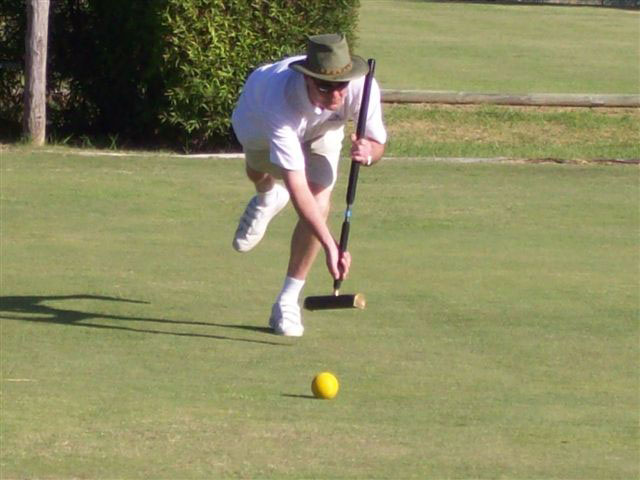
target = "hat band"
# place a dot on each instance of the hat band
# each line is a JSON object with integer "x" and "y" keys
{"x": 346, "y": 68}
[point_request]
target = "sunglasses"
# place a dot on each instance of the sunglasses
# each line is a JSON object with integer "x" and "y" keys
{"x": 329, "y": 87}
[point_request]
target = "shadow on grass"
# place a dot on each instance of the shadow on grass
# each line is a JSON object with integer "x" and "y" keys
{"x": 292, "y": 395}
{"x": 33, "y": 309}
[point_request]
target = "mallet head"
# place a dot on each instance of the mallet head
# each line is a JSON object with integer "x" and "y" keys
{"x": 332, "y": 302}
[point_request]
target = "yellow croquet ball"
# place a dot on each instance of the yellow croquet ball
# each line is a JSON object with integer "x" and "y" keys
{"x": 325, "y": 385}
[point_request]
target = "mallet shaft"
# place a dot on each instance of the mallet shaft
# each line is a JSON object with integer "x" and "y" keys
{"x": 336, "y": 300}
{"x": 355, "y": 166}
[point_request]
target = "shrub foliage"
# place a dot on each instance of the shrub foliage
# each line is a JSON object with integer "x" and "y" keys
{"x": 214, "y": 44}
{"x": 12, "y": 32}
{"x": 158, "y": 71}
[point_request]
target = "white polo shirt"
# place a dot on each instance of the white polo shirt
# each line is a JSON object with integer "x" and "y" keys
{"x": 274, "y": 113}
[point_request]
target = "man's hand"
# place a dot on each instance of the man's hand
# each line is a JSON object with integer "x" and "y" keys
{"x": 338, "y": 263}
{"x": 365, "y": 150}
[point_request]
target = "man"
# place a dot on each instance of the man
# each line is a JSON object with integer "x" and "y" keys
{"x": 290, "y": 121}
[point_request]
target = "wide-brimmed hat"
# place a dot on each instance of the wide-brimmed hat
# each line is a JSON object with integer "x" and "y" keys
{"x": 328, "y": 58}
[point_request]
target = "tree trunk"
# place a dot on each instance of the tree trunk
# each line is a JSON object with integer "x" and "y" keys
{"x": 35, "y": 104}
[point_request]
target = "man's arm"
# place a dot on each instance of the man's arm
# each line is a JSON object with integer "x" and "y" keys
{"x": 309, "y": 212}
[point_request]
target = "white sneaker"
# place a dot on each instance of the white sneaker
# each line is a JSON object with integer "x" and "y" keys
{"x": 255, "y": 219}
{"x": 285, "y": 319}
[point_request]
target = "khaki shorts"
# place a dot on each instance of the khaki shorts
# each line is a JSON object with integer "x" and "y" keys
{"x": 321, "y": 157}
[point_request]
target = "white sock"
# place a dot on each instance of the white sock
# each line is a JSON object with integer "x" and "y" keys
{"x": 265, "y": 197}
{"x": 290, "y": 290}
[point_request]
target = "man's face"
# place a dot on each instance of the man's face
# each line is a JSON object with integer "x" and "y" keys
{"x": 326, "y": 95}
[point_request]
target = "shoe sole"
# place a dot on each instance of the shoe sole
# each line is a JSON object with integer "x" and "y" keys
{"x": 288, "y": 334}
{"x": 277, "y": 330}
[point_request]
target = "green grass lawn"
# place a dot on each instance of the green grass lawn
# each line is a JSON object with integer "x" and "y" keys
{"x": 501, "y": 48}
{"x": 499, "y": 341}
{"x": 562, "y": 134}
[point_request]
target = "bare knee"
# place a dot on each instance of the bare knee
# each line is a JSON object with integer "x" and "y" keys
{"x": 262, "y": 180}
{"x": 325, "y": 207}
{"x": 322, "y": 195}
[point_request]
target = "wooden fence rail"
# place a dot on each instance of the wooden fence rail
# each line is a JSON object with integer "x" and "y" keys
{"x": 532, "y": 99}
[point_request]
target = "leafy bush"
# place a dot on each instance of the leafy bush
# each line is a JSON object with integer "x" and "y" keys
{"x": 157, "y": 71}
{"x": 214, "y": 44}
{"x": 12, "y": 32}
{"x": 106, "y": 67}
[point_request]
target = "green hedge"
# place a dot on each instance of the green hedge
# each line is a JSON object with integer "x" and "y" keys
{"x": 12, "y": 32}
{"x": 103, "y": 68}
{"x": 158, "y": 72}
{"x": 215, "y": 44}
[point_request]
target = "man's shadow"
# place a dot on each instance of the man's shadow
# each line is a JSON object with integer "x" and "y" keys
{"x": 34, "y": 309}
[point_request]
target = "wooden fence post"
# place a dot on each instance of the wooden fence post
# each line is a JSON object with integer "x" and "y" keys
{"x": 35, "y": 103}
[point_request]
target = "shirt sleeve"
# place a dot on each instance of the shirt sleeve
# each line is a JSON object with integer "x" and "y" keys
{"x": 375, "y": 126}
{"x": 284, "y": 147}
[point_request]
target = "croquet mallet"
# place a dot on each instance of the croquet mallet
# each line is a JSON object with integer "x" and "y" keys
{"x": 335, "y": 301}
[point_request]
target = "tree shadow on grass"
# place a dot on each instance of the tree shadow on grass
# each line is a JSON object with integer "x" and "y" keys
{"x": 34, "y": 309}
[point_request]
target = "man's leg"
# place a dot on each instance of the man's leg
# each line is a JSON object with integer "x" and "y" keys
{"x": 321, "y": 155}
{"x": 269, "y": 200}
{"x": 285, "y": 313}
{"x": 304, "y": 245}
{"x": 263, "y": 181}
